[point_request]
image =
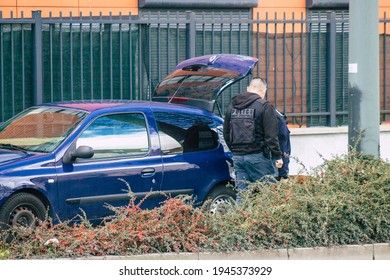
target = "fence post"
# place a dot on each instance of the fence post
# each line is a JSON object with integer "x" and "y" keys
{"x": 331, "y": 67}
{"x": 37, "y": 60}
{"x": 191, "y": 34}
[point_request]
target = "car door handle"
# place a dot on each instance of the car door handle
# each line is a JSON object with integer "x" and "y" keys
{"x": 147, "y": 172}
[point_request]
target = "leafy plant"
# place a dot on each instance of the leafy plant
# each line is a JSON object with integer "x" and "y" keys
{"x": 344, "y": 201}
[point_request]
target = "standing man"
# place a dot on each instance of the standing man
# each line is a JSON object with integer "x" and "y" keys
{"x": 251, "y": 132}
{"x": 285, "y": 146}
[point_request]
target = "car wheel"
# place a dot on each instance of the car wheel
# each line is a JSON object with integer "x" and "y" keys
{"x": 220, "y": 200}
{"x": 21, "y": 209}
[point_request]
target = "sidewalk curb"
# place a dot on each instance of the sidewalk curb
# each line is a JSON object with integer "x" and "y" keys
{"x": 380, "y": 251}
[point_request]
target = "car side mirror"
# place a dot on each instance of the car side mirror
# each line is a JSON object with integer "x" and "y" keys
{"x": 80, "y": 152}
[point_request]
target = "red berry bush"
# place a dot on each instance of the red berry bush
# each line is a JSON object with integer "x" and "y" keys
{"x": 344, "y": 201}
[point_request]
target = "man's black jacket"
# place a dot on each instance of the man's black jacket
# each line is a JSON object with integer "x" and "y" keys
{"x": 266, "y": 125}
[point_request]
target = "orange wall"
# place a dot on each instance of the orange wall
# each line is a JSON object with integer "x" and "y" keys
{"x": 280, "y": 7}
{"x": 67, "y": 6}
{"x": 384, "y": 6}
{"x": 384, "y": 10}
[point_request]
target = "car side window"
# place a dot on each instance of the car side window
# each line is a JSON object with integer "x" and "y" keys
{"x": 117, "y": 135}
{"x": 182, "y": 133}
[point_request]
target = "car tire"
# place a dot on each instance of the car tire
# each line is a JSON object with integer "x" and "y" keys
{"x": 21, "y": 209}
{"x": 220, "y": 200}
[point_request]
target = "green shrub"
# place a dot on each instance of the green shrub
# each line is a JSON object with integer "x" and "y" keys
{"x": 344, "y": 201}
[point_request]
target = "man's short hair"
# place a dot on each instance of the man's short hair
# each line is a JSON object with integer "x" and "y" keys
{"x": 259, "y": 84}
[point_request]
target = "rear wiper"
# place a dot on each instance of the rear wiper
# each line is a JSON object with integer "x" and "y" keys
{"x": 12, "y": 147}
{"x": 181, "y": 83}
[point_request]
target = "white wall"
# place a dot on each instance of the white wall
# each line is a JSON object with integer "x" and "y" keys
{"x": 309, "y": 146}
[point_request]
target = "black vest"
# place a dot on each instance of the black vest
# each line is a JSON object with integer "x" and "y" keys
{"x": 246, "y": 132}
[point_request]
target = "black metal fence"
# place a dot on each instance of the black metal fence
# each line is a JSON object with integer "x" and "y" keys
{"x": 305, "y": 60}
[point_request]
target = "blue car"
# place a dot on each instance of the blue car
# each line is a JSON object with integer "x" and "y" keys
{"x": 77, "y": 158}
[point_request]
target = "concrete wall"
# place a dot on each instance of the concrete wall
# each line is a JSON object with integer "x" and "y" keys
{"x": 379, "y": 251}
{"x": 310, "y": 146}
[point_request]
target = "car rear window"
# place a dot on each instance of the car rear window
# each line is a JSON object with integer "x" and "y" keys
{"x": 182, "y": 133}
{"x": 203, "y": 84}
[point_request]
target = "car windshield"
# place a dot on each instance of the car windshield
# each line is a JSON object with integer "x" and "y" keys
{"x": 39, "y": 129}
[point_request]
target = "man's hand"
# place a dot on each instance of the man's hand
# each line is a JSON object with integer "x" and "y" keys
{"x": 279, "y": 163}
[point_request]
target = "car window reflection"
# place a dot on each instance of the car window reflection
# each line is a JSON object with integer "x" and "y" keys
{"x": 117, "y": 135}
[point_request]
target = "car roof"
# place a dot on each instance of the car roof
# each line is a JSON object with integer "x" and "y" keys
{"x": 92, "y": 105}
{"x": 95, "y": 105}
